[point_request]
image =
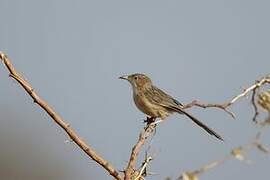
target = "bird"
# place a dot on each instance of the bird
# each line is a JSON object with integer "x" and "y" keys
{"x": 155, "y": 103}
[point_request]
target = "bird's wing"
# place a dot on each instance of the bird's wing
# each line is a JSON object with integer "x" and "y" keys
{"x": 157, "y": 96}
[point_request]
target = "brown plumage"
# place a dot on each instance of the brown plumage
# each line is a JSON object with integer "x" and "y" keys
{"x": 157, "y": 104}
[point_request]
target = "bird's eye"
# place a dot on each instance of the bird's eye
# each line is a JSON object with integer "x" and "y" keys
{"x": 135, "y": 77}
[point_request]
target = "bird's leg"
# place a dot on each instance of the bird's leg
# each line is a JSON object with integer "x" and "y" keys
{"x": 151, "y": 121}
{"x": 157, "y": 122}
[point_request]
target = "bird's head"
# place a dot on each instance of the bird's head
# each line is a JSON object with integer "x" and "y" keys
{"x": 138, "y": 80}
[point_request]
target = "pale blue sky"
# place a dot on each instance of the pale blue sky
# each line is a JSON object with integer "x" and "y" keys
{"x": 73, "y": 52}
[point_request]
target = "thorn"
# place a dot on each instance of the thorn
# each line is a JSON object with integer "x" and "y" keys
{"x": 68, "y": 141}
{"x": 31, "y": 91}
{"x": 2, "y": 55}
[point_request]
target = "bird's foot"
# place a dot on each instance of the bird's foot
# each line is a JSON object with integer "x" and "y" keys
{"x": 149, "y": 120}
{"x": 157, "y": 122}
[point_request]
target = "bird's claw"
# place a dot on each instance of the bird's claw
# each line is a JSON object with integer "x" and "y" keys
{"x": 157, "y": 122}
{"x": 149, "y": 120}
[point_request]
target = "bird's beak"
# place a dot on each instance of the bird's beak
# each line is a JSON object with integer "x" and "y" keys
{"x": 124, "y": 77}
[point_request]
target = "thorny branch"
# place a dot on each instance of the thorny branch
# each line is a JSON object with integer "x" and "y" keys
{"x": 238, "y": 153}
{"x": 202, "y": 105}
{"x": 66, "y": 127}
{"x": 224, "y": 106}
{"x": 142, "y": 172}
{"x": 131, "y": 172}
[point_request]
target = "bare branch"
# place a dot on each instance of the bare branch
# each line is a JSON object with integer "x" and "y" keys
{"x": 57, "y": 119}
{"x": 237, "y": 153}
{"x": 257, "y": 84}
{"x": 143, "y": 168}
{"x": 224, "y": 106}
{"x": 131, "y": 167}
{"x": 202, "y": 105}
{"x": 253, "y": 101}
{"x": 131, "y": 173}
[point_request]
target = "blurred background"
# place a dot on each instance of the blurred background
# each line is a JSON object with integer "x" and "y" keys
{"x": 73, "y": 52}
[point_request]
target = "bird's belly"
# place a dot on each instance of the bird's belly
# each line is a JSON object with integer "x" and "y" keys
{"x": 149, "y": 108}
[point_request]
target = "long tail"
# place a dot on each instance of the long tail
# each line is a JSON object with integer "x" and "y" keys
{"x": 199, "y": 123}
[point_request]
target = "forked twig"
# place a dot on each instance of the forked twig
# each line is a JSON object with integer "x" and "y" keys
{"x": 224, "y": 106}
{"x": 131, "y": 167}
{"x": 238, "y": 153}
{"x": 143, "y": 168}
{"x": 202, "y": 105}
{"x": 131, "y": 172}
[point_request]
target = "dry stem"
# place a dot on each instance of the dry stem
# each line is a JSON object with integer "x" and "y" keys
{"x": 237, "y": 152}
{"x": 224, "y": 106}
{"x": 57, "y": 119}
{"x": 130, "y": 171}
{"x": 143, "y": 168}
{"x": 131, "y": 168}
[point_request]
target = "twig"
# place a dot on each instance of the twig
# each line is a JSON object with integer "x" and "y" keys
{"x": 253, "y": 102}
{"x": 57, "y": 119}
{"x": 131, "y": 167}
{"x": 194, "y": 174}
{"x": 257, "y": 84}
{"x": 212, "y": 165}
{"x": 130, "y": 171}
{"x": 143, "y": 168}
{"x": 236, "y": 153}
{"x": 202, "y": 105}
{"x": 224, "y": 106}
{"x": 264, "y": 102}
